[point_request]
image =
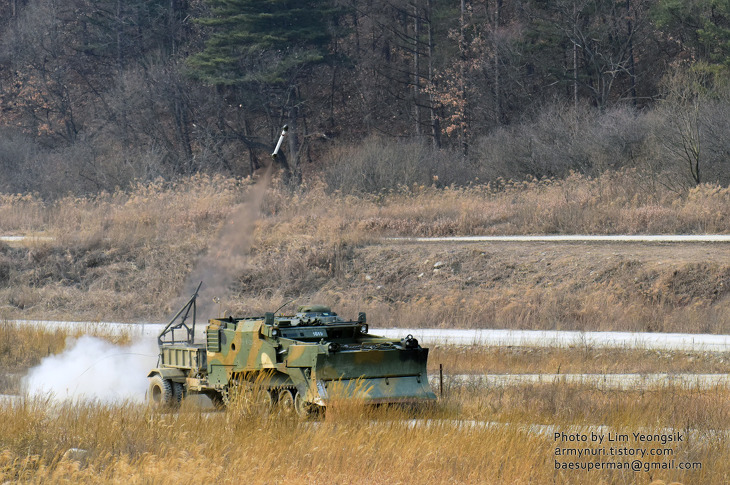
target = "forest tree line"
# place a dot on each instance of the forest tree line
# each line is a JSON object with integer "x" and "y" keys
{"x": 95, "y": 95}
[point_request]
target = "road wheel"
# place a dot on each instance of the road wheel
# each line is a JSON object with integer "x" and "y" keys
{"x": 303, "y": 408}
{"x": 285, "y": 404}
{"x": 261, "y": 402}
{"x": 160, "y": 394}
{"x": 178, "y": 393}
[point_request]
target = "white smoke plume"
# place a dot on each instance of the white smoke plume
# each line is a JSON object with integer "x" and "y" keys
{"x": 95, "y": 369}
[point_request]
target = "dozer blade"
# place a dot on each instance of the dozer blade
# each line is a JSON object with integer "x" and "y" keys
{"x": 375, "y": 376}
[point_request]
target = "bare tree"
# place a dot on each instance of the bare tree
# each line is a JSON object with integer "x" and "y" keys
{"x": 695, "y": 127}
{"x": 601, "y": 35}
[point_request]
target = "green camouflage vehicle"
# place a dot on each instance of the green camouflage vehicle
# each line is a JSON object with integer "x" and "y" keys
{"x": 298, "y": 363}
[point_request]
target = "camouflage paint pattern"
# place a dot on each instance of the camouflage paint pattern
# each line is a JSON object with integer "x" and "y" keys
{"x": 318, "y": 361}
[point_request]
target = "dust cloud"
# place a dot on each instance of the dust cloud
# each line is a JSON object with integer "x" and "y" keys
{"x": 93, "y": 368}
{"x": 227, "y": 254}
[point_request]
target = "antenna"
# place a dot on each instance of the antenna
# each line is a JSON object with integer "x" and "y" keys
{"x": 285, "y": 304}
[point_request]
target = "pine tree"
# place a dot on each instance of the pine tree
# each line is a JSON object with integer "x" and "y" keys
{"x": 269, "y": 41}
{"x": 266, "y": 48}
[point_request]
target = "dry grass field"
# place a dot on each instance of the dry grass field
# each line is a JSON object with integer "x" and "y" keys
{"x": 497, "y": 434}
{"x": 488, "y": 436}
{"x": 572, "y": 360}
{"x": 133, "y": 255}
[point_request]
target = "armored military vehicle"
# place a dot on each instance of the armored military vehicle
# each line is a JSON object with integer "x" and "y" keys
{"x": 296, "y": 363}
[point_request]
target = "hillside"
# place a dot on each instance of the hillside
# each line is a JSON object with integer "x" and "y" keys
{"x": 135, "y": 255}
{"x": 96, "y": 95}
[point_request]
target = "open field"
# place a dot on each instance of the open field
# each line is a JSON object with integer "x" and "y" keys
{"x": 589, "y": 360}
{"x": 503, "y": 432}
{"x": 134, "y": 255}
{"x": 502, "y": 435}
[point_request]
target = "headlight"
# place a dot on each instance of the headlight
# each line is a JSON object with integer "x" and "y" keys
{"x": 274, "y": 332}
{"x": 363, "y": 329}
{"x": 409, "y": 342}
{"x": 333, "y": 347}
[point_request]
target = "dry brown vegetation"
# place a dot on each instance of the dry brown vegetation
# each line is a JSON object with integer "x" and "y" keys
{"x": 475, "y": 359}
{"x": 460, "y": 441}
{"x": 21, "y": 348}
{"x": 128, "y": 255}
{"x": 475, "y": 434}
